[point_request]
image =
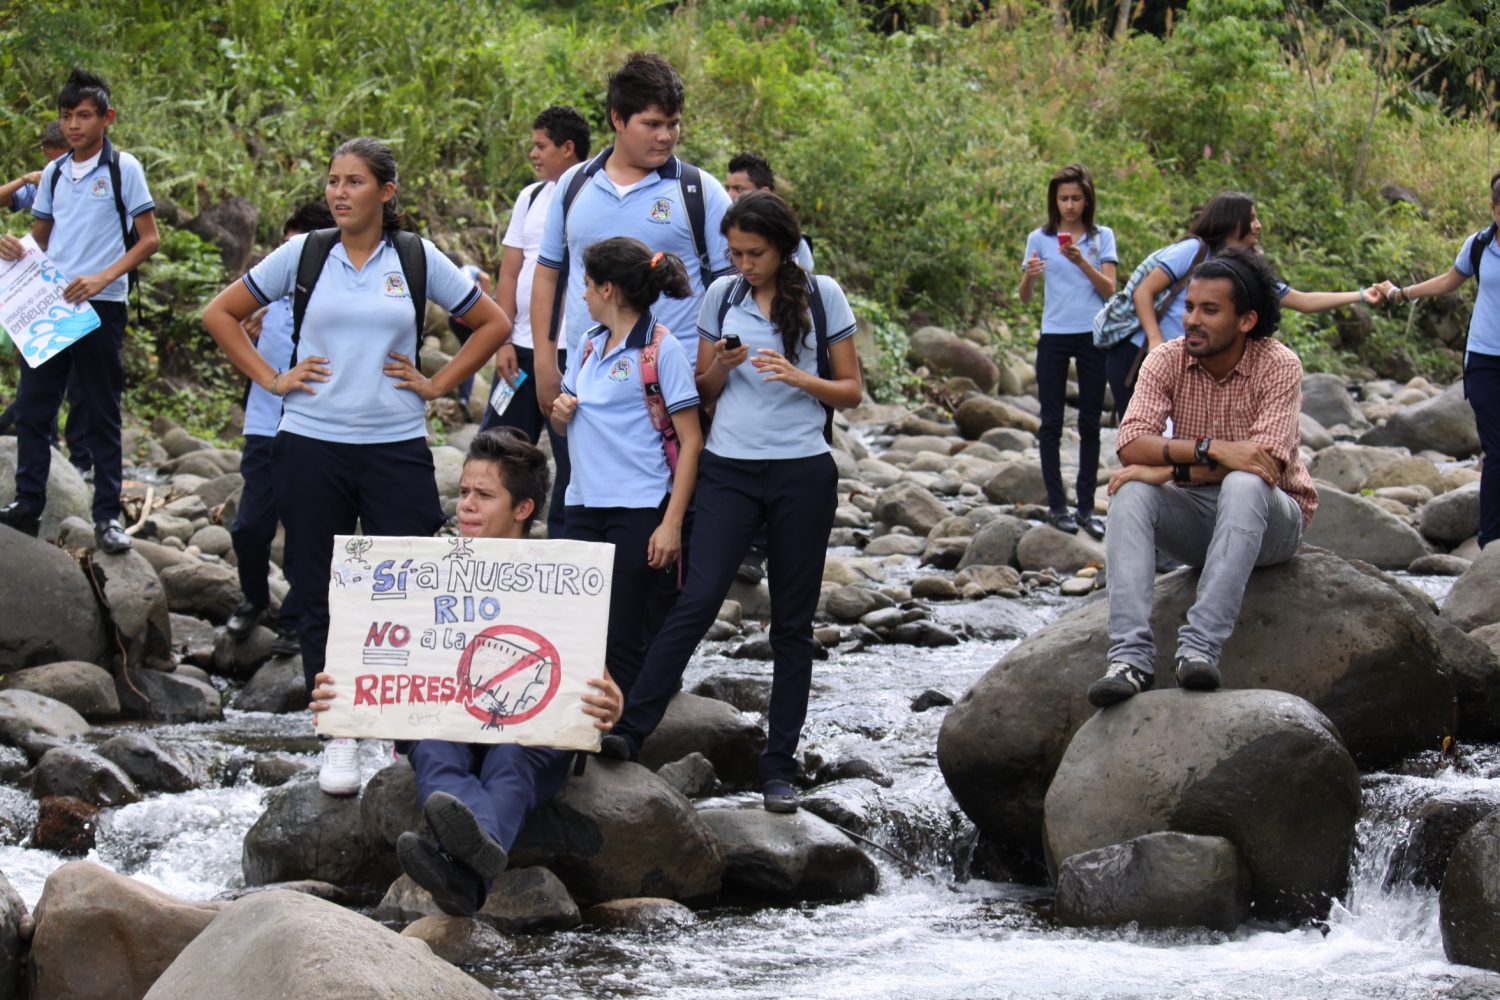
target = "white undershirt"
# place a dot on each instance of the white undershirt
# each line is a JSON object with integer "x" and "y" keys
{"x": 82, "y": 167}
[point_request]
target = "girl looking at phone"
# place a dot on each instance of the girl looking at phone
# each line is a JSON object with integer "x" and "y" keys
{"x": 1075, "y": 260}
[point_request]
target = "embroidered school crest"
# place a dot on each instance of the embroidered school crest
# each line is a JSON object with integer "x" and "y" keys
{"x": 620, "y": 370}
{"x": 395, "y": 285}
{"x": 661, "y": 211}
{"x": 100, "y": 188}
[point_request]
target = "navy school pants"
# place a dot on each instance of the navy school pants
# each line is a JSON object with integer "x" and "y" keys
{"x": 94, "y": 365}
{"x": 1482, "y": 389}
{"x": 522, "y": 413}
{"x": 1053, "y": 351}
{"x": 795, "y": 499}
{"x": 254, "y": 530}
{"x": 322, "y": 488}
{"x": 1118, "y": 361}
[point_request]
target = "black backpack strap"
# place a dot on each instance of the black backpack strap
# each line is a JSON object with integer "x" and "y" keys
{"x": 56, "y": 175}
{"x": 413, "y": 257}
{"x": 315, "y": 250}
{"x": 736, "y": 293}
{"x": 536, "y": 192}
{"x": 820, "y": 337}
{"x": 1482, "y": 240}
{"x": 690, "y": 183}
{"x": 570, "y": 194}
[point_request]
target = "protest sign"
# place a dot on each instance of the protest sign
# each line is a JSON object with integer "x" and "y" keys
{"x": 32, "y": 308}
{"x": 474, "y": 640}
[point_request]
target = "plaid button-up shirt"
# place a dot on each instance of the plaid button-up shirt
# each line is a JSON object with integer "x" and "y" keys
{"x": 1260, "y": 400}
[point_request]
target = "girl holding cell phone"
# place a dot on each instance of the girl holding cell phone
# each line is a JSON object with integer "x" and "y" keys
{"x": 1075, "y": 260}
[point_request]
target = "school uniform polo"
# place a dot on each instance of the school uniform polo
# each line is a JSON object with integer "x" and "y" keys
{"x": 262, "y": 409}
{"x": 756, "y": 419}
{"x": 86, "y": 236}
{"x": 615, "y": 450}
{"x": 1484, "y": 324}
{"x": 1070, "y": 299}
{"x": 355, "y": 318}
{"x": 1177, "y": 260}
{"x": 650, "y": 211}
{"x": 23, "y": 198}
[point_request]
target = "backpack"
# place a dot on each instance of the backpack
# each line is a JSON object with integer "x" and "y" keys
{"x": 1118, "y": 321}
{"x": 110, "y": 157}
{"x": 315, "y": 250}
{"x": 741, "y": 288}
{"x": 690, "y": 186}
{"x": 1482, "y": 240}
{"x": 656, "y": 407}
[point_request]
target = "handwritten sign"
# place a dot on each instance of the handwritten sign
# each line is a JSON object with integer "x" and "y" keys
{"x": 32, "y": 308}
{"x": 474, "y": 640}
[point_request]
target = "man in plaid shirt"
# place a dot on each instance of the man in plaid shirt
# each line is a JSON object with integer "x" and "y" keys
{"x": 1227, "y": 492}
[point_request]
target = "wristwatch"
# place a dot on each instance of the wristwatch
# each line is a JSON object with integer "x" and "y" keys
{"x": 1200, "y": 454}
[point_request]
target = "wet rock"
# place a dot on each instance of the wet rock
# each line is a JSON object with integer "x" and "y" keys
{"x": 520, "y": 900}
{"x": 931, "y": 698}
{"x": 1156, "y": 880}
{"x": 638, "y": 914}
{"x": 1364, "y": 657}
{"x": 1077, "y": 586}
{"x": 1347, "y": 466}
{"x": 854, "y": 804}
{"x": 278, "y": 686}
{"x": 133, "y": 934}
{"x": 1263, "y": 769}
{"x": 850, "y": 603}
{"x": 67, "y": 494}
{"x": 945, "y": 353}
{"x": 163, "y": 697}
{"x": 137, "y": 604}
{"x": 1470, "y": 899}
{"x": 979, "y": 414}
{"x": 1452, "y": 517}
{"x": 619, "y": 831}
{"x": 87, "y": 689}
{"x": 307, "y": 886}
{"x": 50, "y": 611}
{"x": 995, "y": 542}
{"x": 244, "y": 956}
{"x": 746, "y": 692}
{"x": 934, "y": 588}
{"x": 388, "y": 806}
{"x": 922, "y": 634}
{"x": 459, "y": 940}
{"x": 193, "y": 640}
{"x": 1044, "y": 547}
{"x": 1436, "y": 830}
{"x": 693, "y": 776}
{"x": 1356, "y": 528}
{"x": 65, "y": 825}
{"x": 1443, "y": 423}
{"x": 203, "y": 590}
{"x": 305, "y": 834}
{"x": 794, "y": 856}
{"x": 271, "y": 771}
{"x": 35, "y": 723}
{"x": 82, "y": 774}
{"x": 910, "y": 506}
{"x": 990, "y": 619}
{"x": 149, "y": 765}
{"x": 1004, "y": 580}
{"x": 1472, "y": 601}
{"x": 1438, "y": 565}
{"x": 718, "y": 731}
{"x": 15, "y": 931}
{"x": 1326, "y": 399}
{"x": 850, "y": 768}
{"x": 1474, "y": 669}
{"x": 756, "y": 647}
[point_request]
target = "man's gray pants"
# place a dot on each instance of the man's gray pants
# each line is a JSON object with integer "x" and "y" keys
{"x": 1227, "y": 530}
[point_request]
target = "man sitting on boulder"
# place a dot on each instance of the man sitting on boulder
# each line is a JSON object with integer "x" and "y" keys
{"x": 1228, "y": 492}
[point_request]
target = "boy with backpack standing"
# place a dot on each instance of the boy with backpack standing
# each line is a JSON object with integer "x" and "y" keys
{"x": 95, "y": 219}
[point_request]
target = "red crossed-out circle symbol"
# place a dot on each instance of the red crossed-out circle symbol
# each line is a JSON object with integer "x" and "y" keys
{"x": 507, "y": 651}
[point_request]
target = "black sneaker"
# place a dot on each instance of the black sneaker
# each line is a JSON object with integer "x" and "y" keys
{"x": 243, "y": 620}
{"x": 778, "y": 796}
{"x": 21, "y": 517}
{"x": 455, "y": 889}
{"x": 1091, "y": 525}
{"x": 111, "y": 537}
{"x": 285, "y": 643}
{"x": 1196, "y": 673}
{"x": 459, "y": 832}
{"x": 1122, "y": 680}
{"x": 1063, "y": 521}
{"x": 752, "y": 570}
{"x": 615, "y": 746}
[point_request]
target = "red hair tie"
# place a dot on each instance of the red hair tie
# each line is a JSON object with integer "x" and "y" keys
{"x": 656, "y": 259}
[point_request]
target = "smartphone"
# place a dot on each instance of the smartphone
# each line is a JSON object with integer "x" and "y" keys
{"x": 1064, "y": 240}
{"x": 731, "y": 342}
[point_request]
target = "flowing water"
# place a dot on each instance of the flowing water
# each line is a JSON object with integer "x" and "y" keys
{"x": 926, "y": 934}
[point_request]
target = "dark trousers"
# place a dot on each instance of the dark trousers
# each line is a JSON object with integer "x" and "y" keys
{"x": 794, "y": 499}
{"x": 522, "y": 413}
{"x": 500, "y": 783}
{"x": 255, "y": 529}
{"x": 1053, "y": 352}
{"x": 78, "y": 451}
{"x": 94, "y": 362}
{"x": 322, "y": 488}
{"x": 556, "y": 516}
{"x": 1482, "y": 389}
{"x": 1118, "y": 361}
{"x": 634, "y": 585}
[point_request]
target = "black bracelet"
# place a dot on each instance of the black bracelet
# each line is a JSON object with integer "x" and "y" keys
{"x": 1182, "y": 475}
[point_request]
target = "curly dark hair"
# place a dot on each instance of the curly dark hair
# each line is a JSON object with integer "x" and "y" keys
{"x": 1253, "y": 282}
{"x": 765, "y": 214}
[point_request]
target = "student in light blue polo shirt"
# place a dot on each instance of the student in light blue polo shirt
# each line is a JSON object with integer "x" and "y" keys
{"x": 766, "y": 462}
{"x": 352, "y": 443}
{"x": 1478, "y": 257}
{"x": 1075, "y": 259}
{"x": 624, "y": 490}
{"x": 20, "y": 194}
{"x": 95, "y": 220}
{"x": 634, "y": 188}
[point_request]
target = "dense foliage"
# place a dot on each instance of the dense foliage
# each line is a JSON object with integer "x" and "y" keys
{"x": 916, "y": 138}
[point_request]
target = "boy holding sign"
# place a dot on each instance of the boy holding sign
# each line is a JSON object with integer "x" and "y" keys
{"x": 477, "y": 796}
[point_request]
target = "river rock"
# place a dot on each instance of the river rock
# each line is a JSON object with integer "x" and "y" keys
{"x": 719, "y": 731}
{"x": 138, "y": 605}
{"x": 1472, "y": 602}
{"x": 1263, "y": 769}
{"x": 388, "y": 806}
{"x": 1444, "y": 423}
{"x": 618, "y": 831}
{"x": 911, "y": 506}
{"x": 1017, "y": 483}
{"x": 520, "y": 900}
{"x": 995, "y": 542}
{"x": 82, "y": 774}
{"x": 217, "y": 491}
{"x": 693, "y": 776}
{"x": 1326, "y": 399}
{"x": 67, "y": 494}
{"x": 459, "y": 940}
{"x": 990, "y": 619}
{"x": 1438, "y": 564}
{"x": 36, "y": 723}
{"x": 1347, "y": 466}
{"x": 1008, "y": 439}
{"x": 193, "y": 640}
{"x": 795, "y": 856}
{"x": 65, "y": 825}
{"x": 639, "y": 914}
{"x": 1357, "y": 528}
{"x": 278, "y": 686}
{"x": 1470, "y": 899}
{"x": 1155, "y": 880}
{"x": 212, "y": 539}
{"x": 1365, "y": 657}
{"x": 945, "y": 353}
{"x": 50, "y": 611}
{"x": 934, "y": 588}
{"x": 1313, "y": 434}
{"x": 87, "y": 689}
{"x": 239, "y": 658}
{"x": 163, "y": 697}
{"x": 1452, "y": 517}
{"x": 1410, "y": 471}
{"x": 148, "y": 764}
{"x": 202, "y": 589}
{"x": 15, "y": 931}
{"x": 979, "y": 414}
{"x": 1436, "y": 829}
{"x": 338, "y": 955}
{"x": 1045, "y": 547}
{"x": 305, "y": 834}
{"x": 209, "y": 463}
{"x": 102, "y": 936}
{"x": 746, "y": 692}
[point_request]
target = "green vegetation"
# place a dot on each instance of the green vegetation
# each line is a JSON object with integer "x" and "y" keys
{"x": 916, "y": 138}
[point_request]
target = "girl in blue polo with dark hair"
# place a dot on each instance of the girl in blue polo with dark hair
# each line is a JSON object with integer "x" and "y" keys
{"x": 352, "y": 443}
{"x": 767, "y": 462}
{"x": 622, "y": 489}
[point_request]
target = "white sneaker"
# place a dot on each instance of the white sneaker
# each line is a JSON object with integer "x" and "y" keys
{"x": 339, "y": 774}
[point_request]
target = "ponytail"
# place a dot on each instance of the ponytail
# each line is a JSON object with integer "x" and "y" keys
{"x": 764, "y": 214}
{"x": 641, "y": 276}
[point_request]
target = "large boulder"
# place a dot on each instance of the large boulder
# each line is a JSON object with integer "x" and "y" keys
{"x": 15, "y": 930}
{"x": 520, "y": 899}
{"x": 1435, "y": 830}
{"x": 202, "y": 589}
{"x": 36, "y": 723}
{"x": 1347, "y": 466}
{"x": 67, "y": 494}
{"x": 1316, "y": 626}
{"x": 1357, "y": 528}
{"x": 1017, "y": 483}
{"x": 459, "y": 940}
{"x": 137, "y": 604}
{"x": 946, "y": 353}
{"x": 1470, "y": 899}
{"x": 229, "y": 225}
{"x": 908, "y": 505}
{"x": 979, "y": 414}
{"x": 102, "y": 936}
{"x": 717, "y": 730}
{"x": 148, "y": 764}
{"x": 293, "y": 946}
{"x": 1044, "y": 547}
{"x": 193, "y": 640}
{"x": 50, "y": 610}
{"x": 278, "y": 686}
{"x": 995, "y": 542}
{"x": 1155, "y": 880}
{"x": 1473, "y": 601}
{"x": 1443, "y": 423}
{"x": 1452, "y": 517}
{"x": 790, "y": 857}
{"x": 1326, "y": 400}
{"x": 66, "y": 826}
{"x": 82, "y": 774}
{"x": 164, "y": 697}
{"x": 83, "y": 687}
{"x": 1412, "y": 470}
{"x": 305, "y": 834}
{"x": 618, "y": 831}
{"x": 1262, "y": 769}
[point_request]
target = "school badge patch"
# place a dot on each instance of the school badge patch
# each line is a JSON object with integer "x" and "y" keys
{"x": 395, "y": 285}
{"x": 661, "y": 211}
{"x": 100, "y": 188}
{"x": 620, "y": 370}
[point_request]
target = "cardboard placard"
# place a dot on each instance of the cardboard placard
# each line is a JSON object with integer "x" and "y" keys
{"x": 32, "y": 308}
